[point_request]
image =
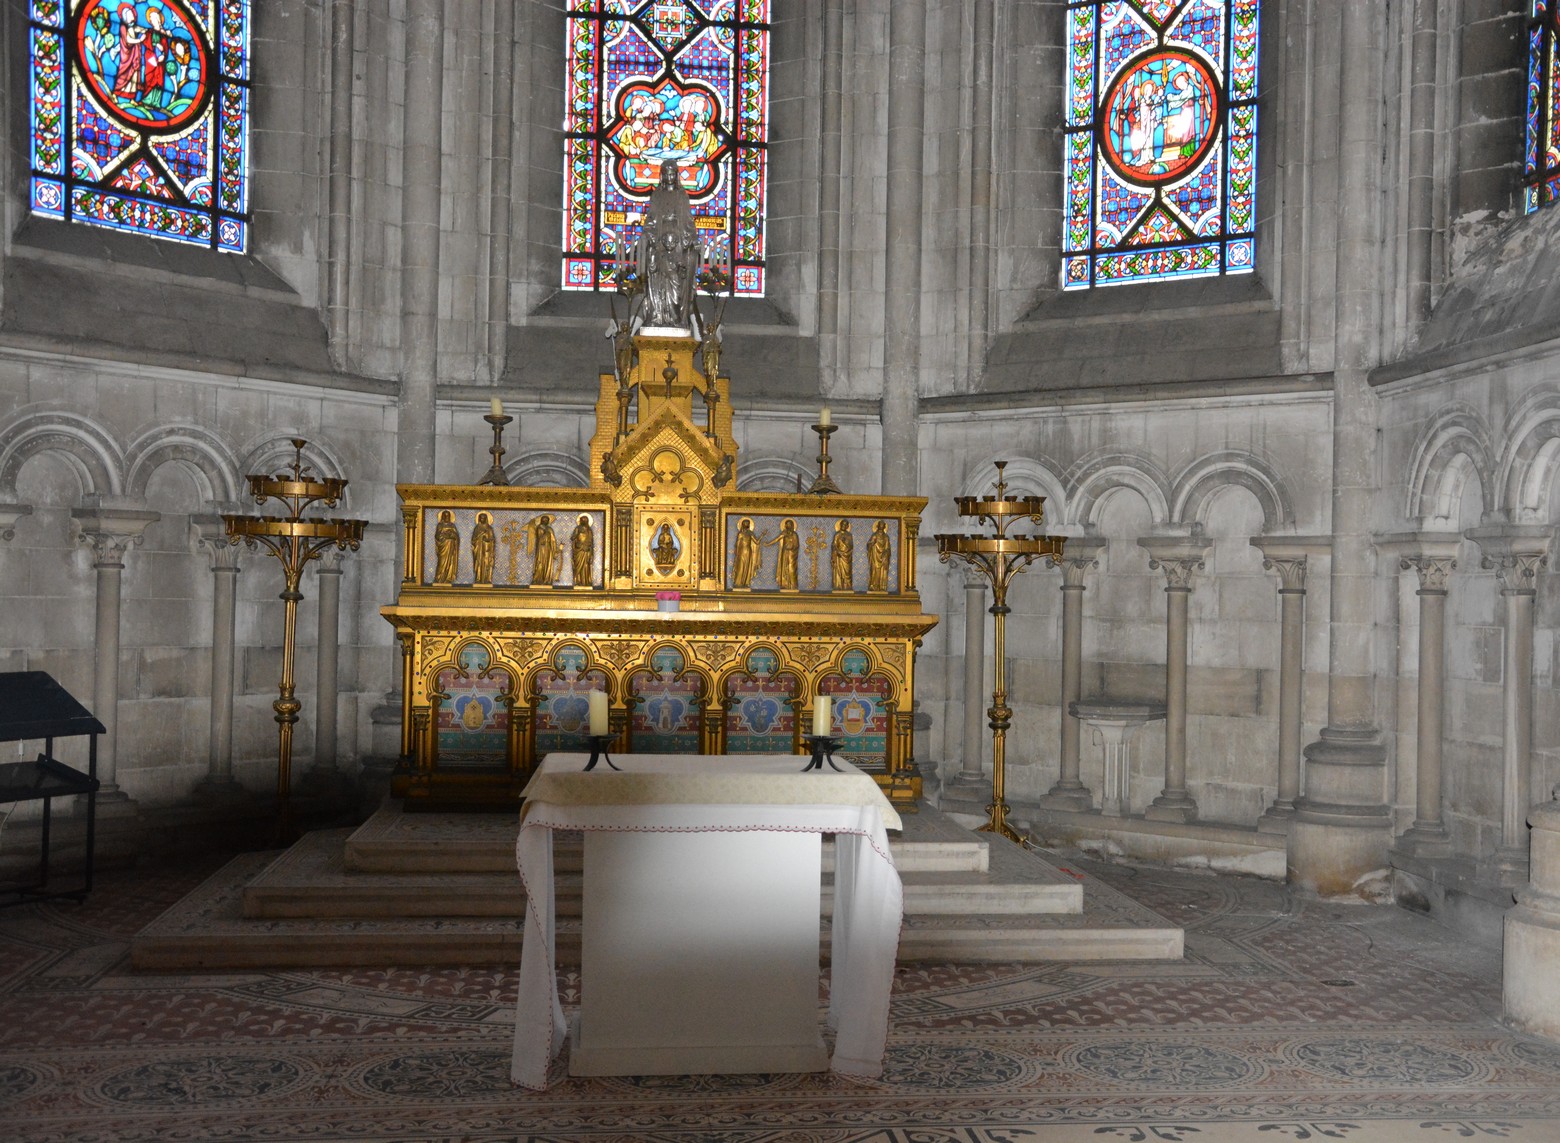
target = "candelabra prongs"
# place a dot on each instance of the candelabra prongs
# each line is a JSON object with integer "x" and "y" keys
{"x": 495, "y": 473}
{"x": 824, "y": 484}
{"x": 999, "y": 557}
{"x": 294, "y": 541}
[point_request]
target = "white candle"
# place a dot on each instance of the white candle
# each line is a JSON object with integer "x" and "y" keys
{"x": 823, "y": 416}
{"x": 498, "y": 407}
{"x": 823, "y": 712}
{"x": 598, "y": 712}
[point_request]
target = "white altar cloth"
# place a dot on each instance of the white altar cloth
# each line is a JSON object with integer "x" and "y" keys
{"x": 701, "y": 793}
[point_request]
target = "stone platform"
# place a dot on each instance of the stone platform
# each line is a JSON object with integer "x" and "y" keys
{"x": 430, "y": 888}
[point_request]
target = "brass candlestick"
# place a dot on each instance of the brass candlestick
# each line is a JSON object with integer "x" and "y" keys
{"x": 495, "y": 474}
{"x": 294, "y": 541}
{"x": 999, "y": 557}
{"x": 824, "y": 484}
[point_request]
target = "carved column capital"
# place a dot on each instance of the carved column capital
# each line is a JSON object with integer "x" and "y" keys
{"x": 1178, "y": 572}
{"x": 111, "y": 532}
{"x": 1290, "y": 557}
{"x": 1290, "y": 569}
{"x": 1433, "y": 555}
{"x": 1178, "y": 556}
{"x": 1434, "y": 571}
{"x": 9, "y": 515}
{"x": 211, "y": 537}
{"x": 329, "y": 561}
{"x": 973, "y": 578}
{"x": 1080, "y": 555}
{"x": 1517, "y": 572}
{"x": 1515, "y": 552}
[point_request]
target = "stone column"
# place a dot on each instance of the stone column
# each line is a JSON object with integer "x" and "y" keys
{"x": 970, "y": 771}
{"x": 1079, "y": 556}
{"x": 982, "y": 113}
{"x": 1420, "y": 223}
{"x": 500, "y": 192}
{"x": 110, "y": 532}
{"x": 422, "y": 154}
{"x": 831, "y": 127}
{"x": 219, "y": 783}
{"x": 339, "y": 275}
{"x": 1289, "y": 557}
{"x": 1530, "y": 985}
{"x": 1179, "y": 557}
{"x": 1516, "y": 552}
{"x": 902, "y": 278}
{"x": 327, "y": 661}
{"x": 1433, "y": 559}
{"x": 1342, "y": 826}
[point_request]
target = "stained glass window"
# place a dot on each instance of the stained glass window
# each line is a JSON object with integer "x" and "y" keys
{"x": 140, "y": 116}
{"x": 1160, "y": 159}
{"x": 1541, "y": 160}
{"x": 653, "y": 81}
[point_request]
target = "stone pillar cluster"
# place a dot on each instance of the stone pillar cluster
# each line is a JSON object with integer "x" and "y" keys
{"x": 1179, "y": 557}
{"x": 1432, "y": 559}
{"x": 975, "y": 587}
{"x": 219, "y": 783}
{"x": 1080, "y": 555}
{"x": 110, "y": 532}
{"x": 1516, "y": 553}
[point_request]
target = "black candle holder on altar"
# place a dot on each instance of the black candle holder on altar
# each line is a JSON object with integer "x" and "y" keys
{"x": 822, "y": 747}
{"x": 598, "y": 750}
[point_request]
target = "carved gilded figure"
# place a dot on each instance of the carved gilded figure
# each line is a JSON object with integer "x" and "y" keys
{"x": 582, "y": 550}
{"x": 664, "y": 550}
{"x": 547, "y": 562}
{"x": 484, "y": 548}
{"x": 879, "y": 550}
{"x": 747, "y": 552}
{"x": 790, "y": 545}
{"x": 841, "y": 557}
{"x": 446, "y": 548}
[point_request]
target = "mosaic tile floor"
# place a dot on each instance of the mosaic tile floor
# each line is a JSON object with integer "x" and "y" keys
{"x": 1288, "y": 1019}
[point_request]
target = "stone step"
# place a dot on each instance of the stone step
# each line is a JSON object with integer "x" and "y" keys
{"x": 395, "y": 841}
{"x": 314, "y": 879}
{"x": 208, "y": 931}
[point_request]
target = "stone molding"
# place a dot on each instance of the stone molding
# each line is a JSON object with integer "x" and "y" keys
{"x": 9, "y": 515}
{"x": 111, "y": 532}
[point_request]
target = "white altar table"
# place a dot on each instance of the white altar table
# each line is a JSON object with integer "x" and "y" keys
{"x": 701, "y": 916}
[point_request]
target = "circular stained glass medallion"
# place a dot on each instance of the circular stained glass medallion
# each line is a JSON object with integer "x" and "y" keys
{"x": 1160, "y": 116}
{"x": 145, "y": 61}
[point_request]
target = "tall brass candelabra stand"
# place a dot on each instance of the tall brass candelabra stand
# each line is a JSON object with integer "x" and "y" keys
{"x": 999, "y": 557}
{"x": 294, "y": 541}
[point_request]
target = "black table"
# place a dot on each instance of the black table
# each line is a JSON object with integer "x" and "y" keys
{"x": 34, "y": 706}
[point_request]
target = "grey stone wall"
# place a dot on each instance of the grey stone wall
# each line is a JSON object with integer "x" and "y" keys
{"x": 154, "y": 376}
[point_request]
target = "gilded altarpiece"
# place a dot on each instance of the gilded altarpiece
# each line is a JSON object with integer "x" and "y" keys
{"x": 516, "y": 602}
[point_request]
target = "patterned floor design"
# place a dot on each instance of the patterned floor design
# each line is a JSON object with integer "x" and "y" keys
{"x": 1288, "y": 1020}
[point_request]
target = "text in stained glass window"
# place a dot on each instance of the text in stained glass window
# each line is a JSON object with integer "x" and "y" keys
{"x": 1160, "y": 144}
{"x": 139, "y": 116}
{"x": 664, "y": 81}
{"x": 1541, "y": 157}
